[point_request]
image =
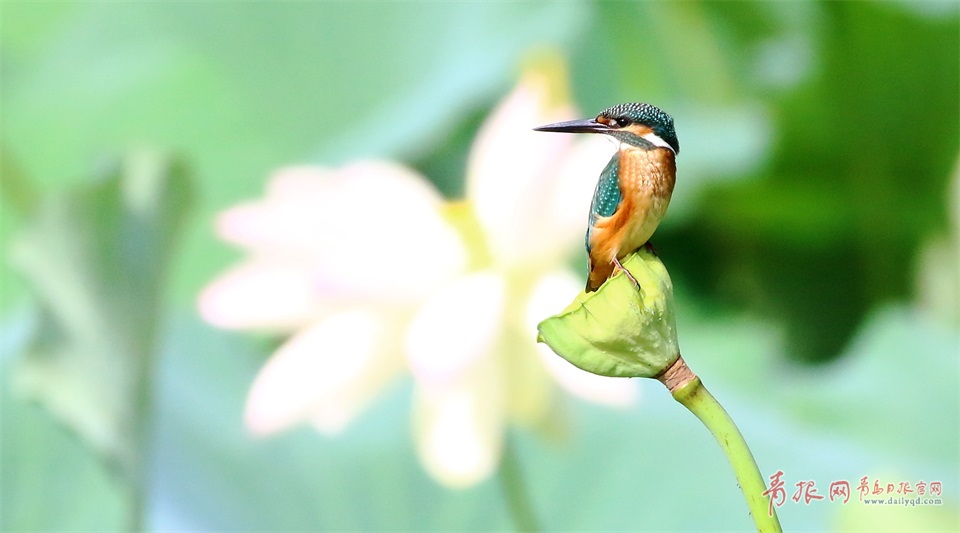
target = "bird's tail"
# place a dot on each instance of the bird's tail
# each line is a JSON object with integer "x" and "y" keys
{"x": 599, "y": 272}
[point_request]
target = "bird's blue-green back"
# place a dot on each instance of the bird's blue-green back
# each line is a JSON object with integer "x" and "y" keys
{"x": 606, "y": 198}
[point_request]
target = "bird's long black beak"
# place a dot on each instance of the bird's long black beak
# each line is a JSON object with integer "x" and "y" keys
{"x": 576, "y": 126}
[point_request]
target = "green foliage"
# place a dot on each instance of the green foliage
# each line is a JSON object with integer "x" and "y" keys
{"x": 96, "y": 258}
{"x": 818, "y": 140}
{"x": 51, "y": 480}
{"x": 209, "y": 474}
{"x": 856, "y": 180}
{"x": 243, "y": 89}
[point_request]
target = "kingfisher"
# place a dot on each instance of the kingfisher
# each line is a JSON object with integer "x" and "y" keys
{"x": 635, "y": 187}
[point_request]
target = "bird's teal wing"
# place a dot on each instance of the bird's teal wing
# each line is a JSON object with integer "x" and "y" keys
{"x": 607, "y": 196}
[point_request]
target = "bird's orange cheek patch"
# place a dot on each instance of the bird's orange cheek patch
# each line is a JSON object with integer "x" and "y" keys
{"x": 639, "y": 130}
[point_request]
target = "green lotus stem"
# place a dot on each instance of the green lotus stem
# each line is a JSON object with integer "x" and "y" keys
{"x": 627, "y": 328}
{"x": 137, "y": 475}
{"x": 687, "y": 389}
{"x": 514, "y": 489}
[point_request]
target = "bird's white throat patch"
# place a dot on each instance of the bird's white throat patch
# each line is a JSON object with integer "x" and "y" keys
{"x": 656, "y": 140}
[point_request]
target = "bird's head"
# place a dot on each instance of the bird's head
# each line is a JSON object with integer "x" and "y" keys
{"x": 636, "y": 124}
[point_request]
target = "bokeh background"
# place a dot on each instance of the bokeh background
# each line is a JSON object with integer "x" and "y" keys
{"x": 813, "y": 242}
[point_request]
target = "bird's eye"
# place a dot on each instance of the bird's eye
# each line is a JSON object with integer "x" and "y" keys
{"x": 623, "y": 122}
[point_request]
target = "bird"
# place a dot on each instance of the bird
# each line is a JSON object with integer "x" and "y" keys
{"x": 635, "y": 187}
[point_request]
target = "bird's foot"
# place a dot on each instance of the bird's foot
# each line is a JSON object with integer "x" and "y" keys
{"x": 636, "y": 283}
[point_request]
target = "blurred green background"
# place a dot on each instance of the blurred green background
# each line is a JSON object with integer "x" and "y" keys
{"x": 813, "y": 242}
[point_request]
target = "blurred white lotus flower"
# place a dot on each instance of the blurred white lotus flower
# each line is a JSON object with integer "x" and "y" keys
{"x": 372, "y": 272}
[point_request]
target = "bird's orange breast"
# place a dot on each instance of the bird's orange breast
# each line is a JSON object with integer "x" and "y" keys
{"x": 646, "y": 179}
